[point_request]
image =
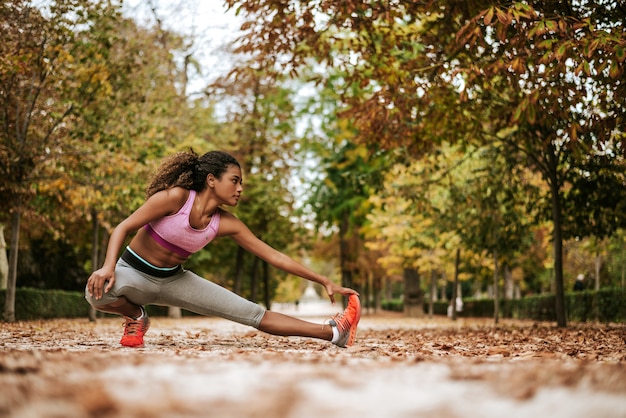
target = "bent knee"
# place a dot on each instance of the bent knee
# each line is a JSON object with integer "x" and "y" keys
{"x": 105, "y": 302}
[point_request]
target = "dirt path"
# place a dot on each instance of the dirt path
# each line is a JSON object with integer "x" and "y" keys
{"x": 400, "y": 367}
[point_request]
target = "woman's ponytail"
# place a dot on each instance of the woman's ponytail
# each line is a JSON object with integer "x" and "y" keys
{"x": 178, "y": 170}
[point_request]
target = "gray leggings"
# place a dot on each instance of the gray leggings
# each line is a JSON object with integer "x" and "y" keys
{"x": 184, "y": 289}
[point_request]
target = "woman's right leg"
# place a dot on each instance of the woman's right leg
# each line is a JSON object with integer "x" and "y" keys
{"x": 131, "y": 290}
{"x": 129, "y": 285}
{"x": 121, "y": 306}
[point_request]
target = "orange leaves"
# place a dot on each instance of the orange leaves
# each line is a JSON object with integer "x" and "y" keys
{"x": 489, "y": 16}
{"x": 191, "y": 366}
{"x": 515, "y": 14}
{"x": 504, "y": 18}
{"x": 469, "y": 34}
{"x": 574, "y": 132}
{"x": 518, "y": 65}
{"x": 386, "y": 334}
{"x": 543, "y": 27}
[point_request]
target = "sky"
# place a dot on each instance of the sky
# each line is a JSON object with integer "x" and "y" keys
{"x": 212, "y": 27}
{"x": 206, "y": 21}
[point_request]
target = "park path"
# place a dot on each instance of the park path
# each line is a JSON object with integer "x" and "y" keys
{"x": 399, "y": 367}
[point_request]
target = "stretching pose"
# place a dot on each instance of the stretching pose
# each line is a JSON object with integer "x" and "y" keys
{"x": 181, "y": 215}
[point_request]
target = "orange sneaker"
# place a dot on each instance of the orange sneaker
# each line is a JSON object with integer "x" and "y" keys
{"x": 134, "y": 330}
{"x": 347, "y": 321}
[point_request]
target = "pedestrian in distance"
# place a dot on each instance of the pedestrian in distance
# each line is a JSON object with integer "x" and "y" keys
{"x": 181, "y": 215}
{"x": 579, "y": 284}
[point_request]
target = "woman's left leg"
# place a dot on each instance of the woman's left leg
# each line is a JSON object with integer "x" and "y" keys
{"x": 340, "y": 330}
{"x": 279, "y": 324}
{"x": 191, "y": 292}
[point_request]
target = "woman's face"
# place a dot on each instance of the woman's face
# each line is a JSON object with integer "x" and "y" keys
{"x": 230, "y": 186}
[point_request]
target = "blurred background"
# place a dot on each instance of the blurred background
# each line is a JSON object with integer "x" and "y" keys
{"x": 417, "y": 152}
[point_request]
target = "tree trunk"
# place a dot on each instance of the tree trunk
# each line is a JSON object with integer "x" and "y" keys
{"x": 509, "y": 285}
{"x": 254, "y": 279}
{"x": 104, "y": 243}
{"x": 9, "y": 305}
{"x": 557, "y": 235}
{"x": 413, "y": 295}
{"x": 239, "y": 270}
{"x": 4, "y": 261}
{"x": 455, "y": 287}
{"x": 598, "y": 266}
{"x": 95, "y": 253}
{"x": 389, "y": 291}
{"x": 366, "y": 294}
{"x": 344, "y": 251}
{"x": 266, "y": 286}
{"x": 496, "y": 291}
{"x": 377, "y": 292}
{"x": 433, "y": 293}
{"x": 509, "y": 291}
{"x": 443, "y": 296}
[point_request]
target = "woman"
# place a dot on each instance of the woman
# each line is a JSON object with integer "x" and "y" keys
{"x": 181, "y": 215}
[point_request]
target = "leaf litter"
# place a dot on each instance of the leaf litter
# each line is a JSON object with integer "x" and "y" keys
{"x": 196, "y": 367}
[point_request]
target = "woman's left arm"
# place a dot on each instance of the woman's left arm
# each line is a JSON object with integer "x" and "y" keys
{"x": 241, "y": 234}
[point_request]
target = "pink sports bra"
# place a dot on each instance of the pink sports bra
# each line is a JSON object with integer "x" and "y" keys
{"x": 174, "y": 232}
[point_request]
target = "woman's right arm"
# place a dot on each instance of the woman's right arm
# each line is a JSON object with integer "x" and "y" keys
{"x": 157, "y": 206}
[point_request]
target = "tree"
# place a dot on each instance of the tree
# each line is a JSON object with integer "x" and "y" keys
{"x": 107, "y": 144}
{"x": 545, "y": 80}
{"x": 617, "y": 260}
{"x": 555, "y": 74}
{"x": 4, "y": 262}
{"x": 50, "y": 67}
{"x": 405, "y": 223}
{"x": 259, "y": 128}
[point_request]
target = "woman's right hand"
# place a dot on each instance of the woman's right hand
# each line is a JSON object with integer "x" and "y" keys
{"x": 100, "y": 282}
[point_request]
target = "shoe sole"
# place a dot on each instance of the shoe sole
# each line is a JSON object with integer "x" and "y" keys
{"x": 353, "y": 327}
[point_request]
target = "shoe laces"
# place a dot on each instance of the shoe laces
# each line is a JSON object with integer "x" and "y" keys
{"x": 133, "y": 326}
{"x": 343, "y": 323}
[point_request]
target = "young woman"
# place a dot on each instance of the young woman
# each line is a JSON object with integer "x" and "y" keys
{"x": 181, "y": 215}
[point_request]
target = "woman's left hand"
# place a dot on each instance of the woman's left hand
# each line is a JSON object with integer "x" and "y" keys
{"x": 332, "y": 289}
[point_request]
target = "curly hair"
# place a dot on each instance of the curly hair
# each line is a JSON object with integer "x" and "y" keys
{"x": 188, "y": 170}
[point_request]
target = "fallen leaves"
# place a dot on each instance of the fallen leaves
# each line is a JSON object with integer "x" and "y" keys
{"x": 383, "y": 336}
{"x": 65, "y": 363}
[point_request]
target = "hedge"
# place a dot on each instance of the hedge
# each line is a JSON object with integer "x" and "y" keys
{"x": 45, "y": 304}
{"x": 604, "y": 305}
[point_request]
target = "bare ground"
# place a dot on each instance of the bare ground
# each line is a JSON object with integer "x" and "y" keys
{"x": 399, "y": 367}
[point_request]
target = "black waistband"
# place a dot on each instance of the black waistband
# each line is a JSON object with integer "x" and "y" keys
{"x": 141, "y": 265}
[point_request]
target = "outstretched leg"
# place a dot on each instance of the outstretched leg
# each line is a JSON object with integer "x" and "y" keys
{"x": 341, "y": 329}
{"x": 279, "y": 324}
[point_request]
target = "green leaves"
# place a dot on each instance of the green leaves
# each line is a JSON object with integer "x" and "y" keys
{"x": 620, "y": 54}
{"x": 559, "y": 53}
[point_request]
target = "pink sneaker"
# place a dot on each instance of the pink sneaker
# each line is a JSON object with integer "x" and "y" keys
{"x": 347, "y": 321}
